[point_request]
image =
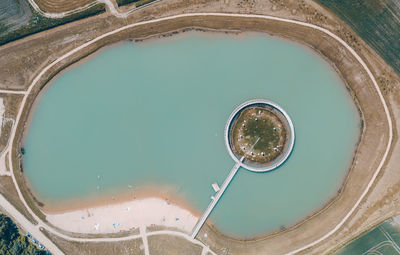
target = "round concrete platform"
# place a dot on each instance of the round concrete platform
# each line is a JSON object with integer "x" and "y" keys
{"x": 273, "y": 164}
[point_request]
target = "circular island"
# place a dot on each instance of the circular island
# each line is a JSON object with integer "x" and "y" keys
{"x": 259, "y": 135}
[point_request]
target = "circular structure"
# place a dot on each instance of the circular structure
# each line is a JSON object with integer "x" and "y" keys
{"x": 259, "y": 135}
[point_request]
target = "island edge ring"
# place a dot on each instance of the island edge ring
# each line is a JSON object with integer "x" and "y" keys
{"x": 275, "y": 163}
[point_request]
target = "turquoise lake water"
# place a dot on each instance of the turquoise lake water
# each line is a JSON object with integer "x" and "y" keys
{"x": 153, "y": 113}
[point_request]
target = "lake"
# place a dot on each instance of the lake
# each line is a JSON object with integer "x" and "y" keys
{"x": 152, "y": 114}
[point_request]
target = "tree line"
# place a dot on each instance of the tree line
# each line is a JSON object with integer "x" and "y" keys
{"x": 12, "y": 242}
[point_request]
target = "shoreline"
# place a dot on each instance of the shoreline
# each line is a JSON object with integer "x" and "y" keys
{"x": 115, "y": 197}
{"x": 95, "y": 202}
{"x": 125, "y": 216}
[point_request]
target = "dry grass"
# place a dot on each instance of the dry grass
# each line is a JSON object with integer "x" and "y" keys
{"x": 172, "y": 245}
{"x": 7, "y": 189}
{"x": 11, "y": 104}
{"x": 91, "y": 248}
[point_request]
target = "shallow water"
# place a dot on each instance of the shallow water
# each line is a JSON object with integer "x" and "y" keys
{"x": 154, "y": 113}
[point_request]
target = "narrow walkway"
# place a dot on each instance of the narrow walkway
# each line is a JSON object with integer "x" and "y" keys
{"x": 142, "y": 230}
{"x": 214, "y": 201}
{"x": 6, "y": 91}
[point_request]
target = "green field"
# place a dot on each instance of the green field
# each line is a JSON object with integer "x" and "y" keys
{"x": 376, "y": 21}
{"x": 383, "y": 239}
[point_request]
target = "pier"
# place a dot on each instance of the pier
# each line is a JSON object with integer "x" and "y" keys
{"x": 214, "y": 201}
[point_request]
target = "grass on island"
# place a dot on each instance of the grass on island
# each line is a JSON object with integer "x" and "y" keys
{"x": 258, "y": 134}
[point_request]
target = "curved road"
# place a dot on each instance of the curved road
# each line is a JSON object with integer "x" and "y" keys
{"x": 265, "y": 17}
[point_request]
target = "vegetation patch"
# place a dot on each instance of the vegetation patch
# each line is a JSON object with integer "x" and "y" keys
{"x": 12, "y": 242}
{"x": 56, "y": 6}
{"x": 38, "y": 23}
{"x": 143, "y": 2}
{"x": 258, "y": 134}
{"x": 138, "y": 2}
{"x": 376, "y": 22}
{"x": 172, "y": 245}
{"x": 134, "y": 246}
{"x": 125, "y": 2}
{"x": 14, "y": 14}
{"x": 383, "y": 239}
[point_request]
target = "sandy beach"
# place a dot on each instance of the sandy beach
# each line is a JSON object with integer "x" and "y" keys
{"x": 125, "y": 216}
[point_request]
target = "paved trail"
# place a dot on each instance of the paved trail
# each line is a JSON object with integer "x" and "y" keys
{"x": 5, "y": 91}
